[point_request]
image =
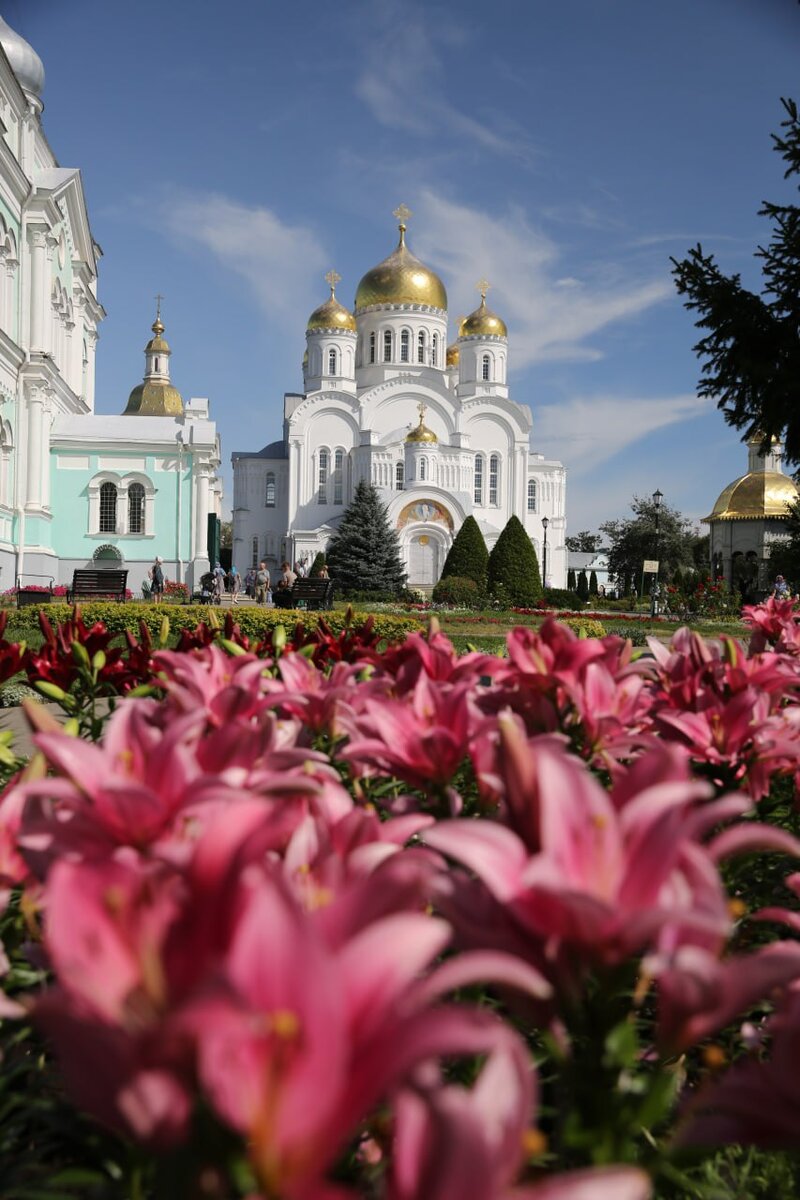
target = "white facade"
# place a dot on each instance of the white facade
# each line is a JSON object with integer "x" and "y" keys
{"x": 55, "y": 453}
{"x": 432, "y": 426}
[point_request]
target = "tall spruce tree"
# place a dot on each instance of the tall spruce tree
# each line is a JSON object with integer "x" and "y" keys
{"x": 571, "y": 579}
{"x": 750, "y": 350}
{"x": 514, "y": 567}
{"x": 468, "y": 557}
{"x": 364, "y": 553}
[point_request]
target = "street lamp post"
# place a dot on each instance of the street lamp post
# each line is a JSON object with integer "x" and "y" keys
{"x": 545, "y": 523}
{"x": 658, "y": 496}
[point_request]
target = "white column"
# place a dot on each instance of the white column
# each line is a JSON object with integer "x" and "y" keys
{"x": 35, "y": 433}
{"x": 91, "y": 346}
{"x": 48, "y": 416}
{"x": 202, "y": 472}
{"x": 295, "y": 479}
{"x": 39, "y": 298}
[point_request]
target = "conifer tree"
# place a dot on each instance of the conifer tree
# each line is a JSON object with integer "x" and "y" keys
{"x": 593, "y": 584}
{"x": 468, "y": 557}
{"x": 364, "y": 553}
{"x": 316, "y": 566}
{"x": 583, "y": 586}
{"x": 514, "y": 567}
{"x": 571, "y": 579}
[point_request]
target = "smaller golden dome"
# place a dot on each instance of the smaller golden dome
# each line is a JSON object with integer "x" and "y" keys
{"x": 483, "y": 323}
{"x": 157, "y": 343}
{"x": 453, "y": 355}
{"x": 331, "y": 314}
{"x": 421, "y": 433}
{"x": 758, "y": 494}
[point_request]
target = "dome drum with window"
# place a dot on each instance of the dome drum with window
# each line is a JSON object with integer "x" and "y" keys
{"x": 330, "y": 339}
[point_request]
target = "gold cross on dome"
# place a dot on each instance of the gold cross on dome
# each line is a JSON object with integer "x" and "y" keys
{"x": 483, "y": 286}
{"x": 421, "y": 410}
{"x": 402, "y": 213}
{"x": 332, "y": 278}
{"x": 159, "y": 298}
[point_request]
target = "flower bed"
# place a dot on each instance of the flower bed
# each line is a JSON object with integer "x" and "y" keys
{"x": 319, "y": 917}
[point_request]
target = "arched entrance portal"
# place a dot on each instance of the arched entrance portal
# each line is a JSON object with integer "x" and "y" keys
{"x": 423, "y": 560}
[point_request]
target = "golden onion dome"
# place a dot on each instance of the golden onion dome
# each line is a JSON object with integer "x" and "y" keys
{"x": 483, "y": 322}
{"x": 401, "y": 279}
{"x": 421, "y": 433}
{"x": 331, "y": 314}
{"x": 157, "y": 342}
{"x": 453, "y": 355}
{"x": 758, "y": 494}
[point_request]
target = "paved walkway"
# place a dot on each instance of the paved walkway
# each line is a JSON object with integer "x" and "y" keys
{"x": 15, "y": 720}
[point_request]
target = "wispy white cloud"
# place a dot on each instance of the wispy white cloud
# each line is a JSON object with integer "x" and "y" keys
{"x": 550, "y": 315}
{"x": 587, "y": 431}
{"x": 282, "y": 263}
{"x": 404, "y": 80}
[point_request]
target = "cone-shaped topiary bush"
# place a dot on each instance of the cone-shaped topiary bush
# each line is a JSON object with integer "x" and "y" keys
{"x": 593, "y": 584}
{"x": 364, "y": 553}
{"x": 316, "y": 566}
{"x": 583, "y": 586}
{"x": 514, "y": 567}
{"x": 571, "y": 580}
{"x": 468, "y": 557}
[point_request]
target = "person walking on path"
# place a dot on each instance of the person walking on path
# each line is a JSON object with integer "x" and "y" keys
{"x": 157, "y": 580}
{"x": 236, "y": 584}
{"x": 219, "y": 583}
{"x": 781, "y": 589}
{"x": 262, "y": 583}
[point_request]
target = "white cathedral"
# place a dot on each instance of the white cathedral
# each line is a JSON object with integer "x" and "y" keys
{"x": 430, "y": 424}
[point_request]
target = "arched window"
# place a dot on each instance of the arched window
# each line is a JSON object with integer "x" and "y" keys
{"x": 156, "y": 364}
{"x": 135, "y": 507}
{"x": 269, "y": 493}
{"x": 387, "y": 345}
{"x": 372, "y": 347}
{"x": 422, "y": 468}
{"x": 485, "y": 365}
{"x": 322, "y": 492}
{"x": 421, "y": 346}
{"x": 478, "y": 495}
{"x": 331, "y": 362}
{"x": 494, "y": 472}
{"x": 435, "y": 350}
{"x": 531, "y": 495}
{"x": 405, "y": 353}
{"x": 399, "y": 477}
{"x": 338, "y": 463}
{"x": 108, "y": 508}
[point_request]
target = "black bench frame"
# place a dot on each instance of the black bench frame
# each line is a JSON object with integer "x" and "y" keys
{"x": 315, "y": 593}
{"x": 108, "y": 584}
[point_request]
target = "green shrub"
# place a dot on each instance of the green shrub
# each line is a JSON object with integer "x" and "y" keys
{"x": 585, "y": 626}
{"x": 316, "y": 566}
{"x": 514, "y": 567}
{"x": 253, "y": 622}
{"x": 460, "y": 593}
{"x": 582, "y": 587}
{"x": 13, "y": 693}
{"x": 571, "y": 580}
{"x": 593, "y": 584}
{"x": 560, "y": 598}
{"x": 636, "y": 633}
{"x": 468, "y": 557}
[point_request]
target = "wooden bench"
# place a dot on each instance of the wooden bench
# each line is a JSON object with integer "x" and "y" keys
{"x": 89, "y": 584}
{"x": 314, "y": 593}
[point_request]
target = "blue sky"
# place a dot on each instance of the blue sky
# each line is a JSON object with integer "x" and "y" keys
{"x": 564, "y": 149}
